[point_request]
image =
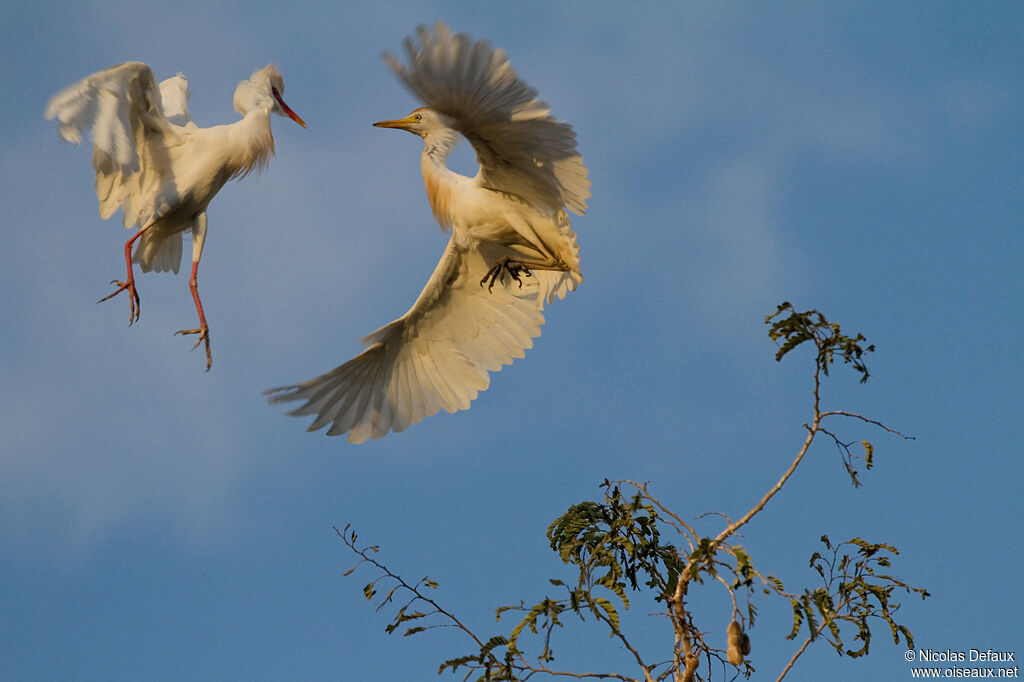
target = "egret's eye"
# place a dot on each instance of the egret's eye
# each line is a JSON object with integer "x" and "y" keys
{"x": 418, "y": 117}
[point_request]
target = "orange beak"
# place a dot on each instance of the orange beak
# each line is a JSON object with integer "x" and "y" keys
{"x": 287, "y": 109}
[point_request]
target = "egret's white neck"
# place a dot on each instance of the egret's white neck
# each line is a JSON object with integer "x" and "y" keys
{"x": 252, "y": 143}
{"x": 438, "y": 145}
{"x": 438, "y": 179}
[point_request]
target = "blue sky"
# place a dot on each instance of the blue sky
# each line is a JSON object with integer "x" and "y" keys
{"x": 157, "y": 522}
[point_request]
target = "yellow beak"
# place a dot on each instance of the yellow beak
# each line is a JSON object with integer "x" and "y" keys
{"x": 400, "y": 123}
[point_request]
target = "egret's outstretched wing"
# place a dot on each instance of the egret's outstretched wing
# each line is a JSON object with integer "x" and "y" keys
{"x": 110, "y": 103}
{"x": 521, "y": 148}
{"x": 121, "y": 107}
{"x": 436, "y": 356}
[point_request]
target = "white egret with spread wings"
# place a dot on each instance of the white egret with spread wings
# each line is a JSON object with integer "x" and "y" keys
{"x": 155, "y": 164}
{"x": 511, "y": 247}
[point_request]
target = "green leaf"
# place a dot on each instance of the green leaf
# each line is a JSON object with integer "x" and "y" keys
{"x": 798, "y": 618}
{"x": 456, "y": 663}
{"x": 530, "y": 620}
{"x": 909, "y": 638}
{"x": 613, "y": 616}
{"x": 493, "y": 643}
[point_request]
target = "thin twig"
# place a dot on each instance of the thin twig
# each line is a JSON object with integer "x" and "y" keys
{"x": 797, "y": 654}
{"x": 541, "y": 668}
{"x": 742, "y": 521}
{"x": 666, "y": 511}
{"x": 732, "y": 594}
{"x": 854, "y": 415}
{"x": 625, "y": 642}
{"x": 821, "y": 628}
{"x": 414, "y": 590}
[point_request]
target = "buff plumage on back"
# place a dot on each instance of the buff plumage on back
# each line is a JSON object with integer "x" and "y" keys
{"x": 521, "y": 149}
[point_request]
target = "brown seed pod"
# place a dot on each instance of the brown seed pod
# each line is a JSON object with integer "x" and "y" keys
{"x": 739, "y": 643}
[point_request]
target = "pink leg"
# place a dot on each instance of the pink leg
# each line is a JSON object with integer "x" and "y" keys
{"x": 129, "y": 283}
{"x": 203, "y": 330}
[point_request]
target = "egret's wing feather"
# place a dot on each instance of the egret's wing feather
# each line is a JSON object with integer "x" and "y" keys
{"x": 520, "y": 147}
{"x": 109, "y": 103}
{"x": 121, "y": 107}
{"x": 436, "y": 356}
{"x": 174, "y": 95}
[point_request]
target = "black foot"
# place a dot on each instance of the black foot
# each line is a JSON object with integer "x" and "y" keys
{"x": 504, "y": 266}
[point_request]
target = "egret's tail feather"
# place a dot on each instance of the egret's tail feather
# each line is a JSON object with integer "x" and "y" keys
{"x": 158, "y": 252}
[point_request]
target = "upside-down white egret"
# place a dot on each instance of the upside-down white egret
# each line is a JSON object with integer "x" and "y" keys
{"x": 511, "y": 247}
{"x": 155, "y": 164}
